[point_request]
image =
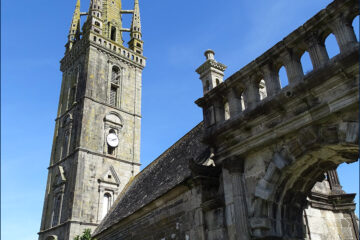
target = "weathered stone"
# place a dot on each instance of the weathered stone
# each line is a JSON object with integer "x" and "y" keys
{"x": 269, "y": 148}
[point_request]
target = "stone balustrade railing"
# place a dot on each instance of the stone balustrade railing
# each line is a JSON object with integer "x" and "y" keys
{"x": 105, "y": 44}
{"x": 245, "y": 89}
{"x": 125, "y": 52}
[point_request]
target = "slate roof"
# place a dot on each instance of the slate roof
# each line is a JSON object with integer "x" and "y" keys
{"x": 163, "y": 174}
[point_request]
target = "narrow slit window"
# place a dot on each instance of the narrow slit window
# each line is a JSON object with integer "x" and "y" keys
{"x": 56, "y": 211}
{"x": 113, "y": 33}
{"x": 66, "y": 144}
{"x": 71, "y": 97}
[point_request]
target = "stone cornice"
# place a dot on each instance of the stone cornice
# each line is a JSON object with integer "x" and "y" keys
{"x": 97, "y": 101}
{"x": 211, "y": 64}
{"x": 80, "y": 149}
{"x": 267, "y": 114}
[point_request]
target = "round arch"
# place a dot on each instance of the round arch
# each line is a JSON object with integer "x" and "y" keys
{"x": 52, "y": 237}
{"x": 281, "y": 194}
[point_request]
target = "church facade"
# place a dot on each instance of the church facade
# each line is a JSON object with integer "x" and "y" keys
{"x": 261, "y": 165}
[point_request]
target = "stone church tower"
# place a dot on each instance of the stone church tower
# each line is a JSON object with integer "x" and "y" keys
{"x": 96, "y": 146}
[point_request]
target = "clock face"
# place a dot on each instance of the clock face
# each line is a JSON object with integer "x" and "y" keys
{"x": 112, "y": 140}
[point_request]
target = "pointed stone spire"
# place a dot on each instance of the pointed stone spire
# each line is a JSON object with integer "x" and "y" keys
{"x": 74, "y": 33}
{"x": 136, "y": 44}
{"x": 136, "y": 22}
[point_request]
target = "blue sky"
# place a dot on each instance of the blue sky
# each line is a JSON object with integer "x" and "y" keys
{"x": 176, "y": 33}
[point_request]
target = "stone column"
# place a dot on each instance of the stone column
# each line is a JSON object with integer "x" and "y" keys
{"x": 235, "y": 201}
{"x": 334, "y": 182}
{"x": 198, "y": 226}
{"x": 293, "y": 67}
{"x": 271, "y": 78}
{"x": 317, "y": 51}
{"x": 344, "y": 33}
{"x": 252, "y": 95}
{"x": 234, "y": 102}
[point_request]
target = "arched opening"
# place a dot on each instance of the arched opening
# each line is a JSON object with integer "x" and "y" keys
{"x": 52, "y": 237}
{"x": 217, "y": 81}
{"x": 207, "y": 86}
{"x": 107, "y": 201}
{"x": 113, "y": 34}
{"x": 347, "y": 174}
{"x": 226, "y": 110}
{"x": 355, "y": 25}
{"x": 283, "y": 77}
{"x": 242, "y": 102}
{"x": 301, "y": 185}
{"x": 262, "y": 89}
{"x": 331, "y": 46}
{"x": 97, "y": 24}
{"x": 306, "y": 63}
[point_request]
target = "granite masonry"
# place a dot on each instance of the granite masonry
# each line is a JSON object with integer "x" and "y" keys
{"x": 261, "y": 165}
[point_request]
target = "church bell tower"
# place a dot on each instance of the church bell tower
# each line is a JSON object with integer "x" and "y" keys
{"x": 96, "y": 145}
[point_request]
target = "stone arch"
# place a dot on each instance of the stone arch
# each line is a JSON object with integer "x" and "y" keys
{"x": 114, "y": 118}
{"x": 52, "y": 237}
{"x": 280, "y": 195}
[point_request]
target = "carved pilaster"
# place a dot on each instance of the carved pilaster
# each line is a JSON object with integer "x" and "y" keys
{"x": 235, "y": 200}
{"x": 317, "y": 50}
{"x": 344, "y": 33}
{"x": 272, "y": 81}
{"x": 234, "y": 100}
{"x": 334, "y": 182}
{"x": 252, "y": 96}
{"x": 293, "y": 67}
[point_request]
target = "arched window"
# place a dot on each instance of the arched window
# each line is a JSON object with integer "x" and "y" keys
{"x": 138, "y": 45}
{"x": 355, "y": 25}
{"x": 114, "y": 89}
{"x": 332, "y": 46}
{"x": 306, "y": 63}
{"x": 226, "y": 110}
{"x": 262, "y": 89}
{"x": 52, "y": 237}
{"x": 242, "y": 102}
{"x": 97, "y": 24}
{"x": 107, "y": 201}
{"x": 113, "y": 33}
{"x": 217, "y": 82}
{"x": 207, "y": 86}
{"x": 283, "y": 77}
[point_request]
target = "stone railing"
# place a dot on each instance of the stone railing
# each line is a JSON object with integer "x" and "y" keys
{"x": 125, "y": 52}
{"x": 259, "y": 80}
{"x": 92, "y": 38}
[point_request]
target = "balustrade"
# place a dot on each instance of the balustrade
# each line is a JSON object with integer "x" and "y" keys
{"x": 309, "y": 38}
